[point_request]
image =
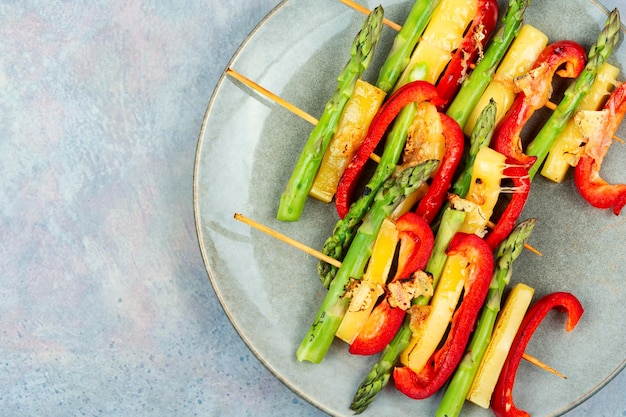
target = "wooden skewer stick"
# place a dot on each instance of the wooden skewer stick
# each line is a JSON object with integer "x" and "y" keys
{"x": 532, "y": 249}
{"x": 539, "y": 364}
{"x": 315, "y": 253}
{"x": 367, "y": 11}
{"x": 552, "y": 106}
{"x": 288, "y": 240}
{"x": 319, "y": 255}
{"x": 265, "y": 92}
{"x": 256, "y": 87}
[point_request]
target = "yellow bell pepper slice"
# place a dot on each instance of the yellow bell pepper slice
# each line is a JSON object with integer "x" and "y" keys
{"x": 484, "y": 190}
{"x": 441, "y": 37}
{"x": 372, "y": 284}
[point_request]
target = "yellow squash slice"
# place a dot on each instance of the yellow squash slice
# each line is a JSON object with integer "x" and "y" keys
{"x": 428, "y": 333}
{"x": 351, "y": 131}
{"x": 506, "y": 327}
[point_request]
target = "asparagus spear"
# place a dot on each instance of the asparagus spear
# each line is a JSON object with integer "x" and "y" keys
{"x": 598, "y": 54}
{"x": 449, "y": 223}
{"x": 293, "y": 198}
{"x": 508, "y": 251}
{"x": 472, "y": 89}
{"x": 322, "y": 332}
{"x": 404, "y": 43}
{"x": 379, "y": 376}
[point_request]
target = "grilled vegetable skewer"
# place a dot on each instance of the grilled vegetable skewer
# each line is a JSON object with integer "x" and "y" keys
{"x": 432, "y": 47}
{"x": 293, "y": 198}
{"x": 451, "y": 222}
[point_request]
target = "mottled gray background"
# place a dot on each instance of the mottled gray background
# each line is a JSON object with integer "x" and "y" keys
{"x": 105, "y": 305}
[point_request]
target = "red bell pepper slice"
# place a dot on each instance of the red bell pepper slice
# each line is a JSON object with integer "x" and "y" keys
{"x": 508, "y": 218}
{"x": 445, "y": 360}
{"x": 475, "y": 40}
{"x": 433, "y": 200}
{"x": 590, "y": 185}
{"x": 416, "y": 245}
{"x": 502, "y": 400}
{"x": 416, "y": 91}
{"x": 506, "y": 138}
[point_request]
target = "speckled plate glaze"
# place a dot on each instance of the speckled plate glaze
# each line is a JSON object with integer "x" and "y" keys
{"x": 247, "y": 148}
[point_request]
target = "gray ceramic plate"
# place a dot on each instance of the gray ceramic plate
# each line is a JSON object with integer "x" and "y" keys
{"x": 270, "y": 291}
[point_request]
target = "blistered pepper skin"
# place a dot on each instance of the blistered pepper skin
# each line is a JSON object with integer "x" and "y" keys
{"x": 445, "y": 360}
{"x": 506, "y": 138}
{"x": 502, "y": 403}
{"x": 413, "y": 92}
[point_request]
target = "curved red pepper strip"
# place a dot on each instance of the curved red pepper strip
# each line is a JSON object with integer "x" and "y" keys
{"x": 502, "y": 403}
{"x": 416, "y": 91}
{"x": 433, "y": 200}
{"x": 475, "y": 40}
{"x": 416, "y": 245}
{"x": 506, "y": 138}
{"x": 508, "y": 218}
{"x": 590, "y": 185}
{"x": 445, "y": 360}
{"x": 381, "y": 326}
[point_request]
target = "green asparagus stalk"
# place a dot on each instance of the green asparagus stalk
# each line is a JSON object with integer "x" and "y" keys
{"x": 294, "y": 197}
{"x": 598, "y": 54}
{"x": 472, "y": 89}
{"x": 379, "y": 376}
{"x": 336, "y": 245}
{"x": 322, "y": 332}
{"x": 404, "y": 43}
{"x": 461, "y": 382}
